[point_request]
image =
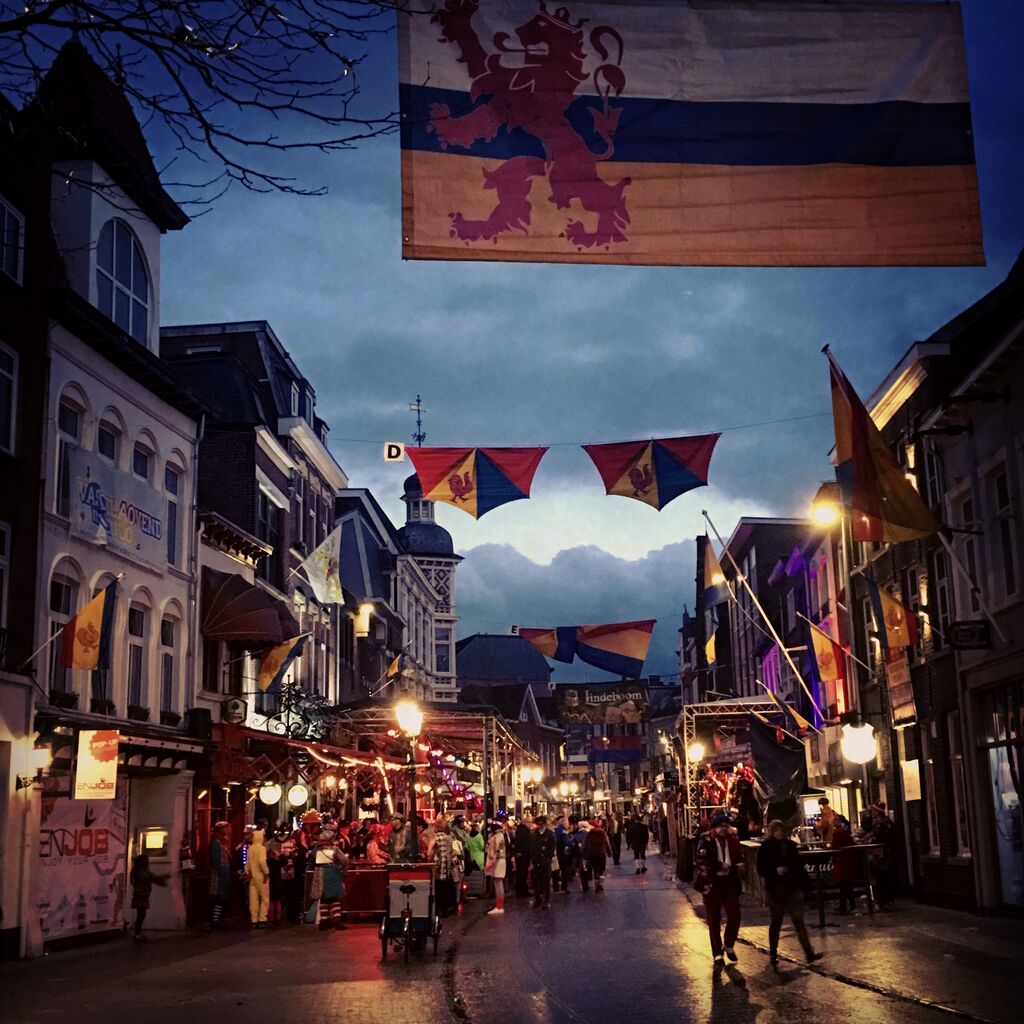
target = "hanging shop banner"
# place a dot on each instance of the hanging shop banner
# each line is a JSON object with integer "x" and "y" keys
{"x": 96, "y": 764}
{"x": 603, "y": 703}
{"x": 80, "y": 870}
{"x": 116, "y": 509}
{"x": 901, "y": 689}
{"x": 725, "y": 132}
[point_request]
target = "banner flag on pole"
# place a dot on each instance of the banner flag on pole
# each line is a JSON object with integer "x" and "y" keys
{"x": 716, "y": 589}
{"x": 275, "y": 663}
{"x": 719, "y": 133}
{"x": 475, "y": 480}
{"x": 85, "y": 638}
{"x": 896, "y": 626}
{"x": 655, "y": 471}
{"x": 884, "y": 505}
{"x": 321, "y": 569}
{"x": 618, "y": 647}
{"x": 829, "y": 656}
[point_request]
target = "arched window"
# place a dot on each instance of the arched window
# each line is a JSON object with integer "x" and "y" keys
{"x": 63, "y": 605}
{"x": 122, "y": 284}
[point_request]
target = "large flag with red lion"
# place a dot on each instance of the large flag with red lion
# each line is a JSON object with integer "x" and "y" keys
{"x": 729, "y": 133}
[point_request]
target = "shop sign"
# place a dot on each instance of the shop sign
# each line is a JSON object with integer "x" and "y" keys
{"x": 901, "y": 689}
{"x": 115, "y": 509}
{"x": 970, "y": 635}
{"x": 79, "y": 881}
{"x": 96, "y": 764}
{"x": 911, "y": 779}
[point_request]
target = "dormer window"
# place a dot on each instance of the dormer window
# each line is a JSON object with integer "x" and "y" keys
{"x": 122, "y": 284}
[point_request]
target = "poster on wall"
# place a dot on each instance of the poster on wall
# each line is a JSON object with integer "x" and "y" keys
{"x": 115, "y": 509}
{"x": 81, "y": 865}
{"x": 901, "y": 689}
{"x": 96, "y": 765}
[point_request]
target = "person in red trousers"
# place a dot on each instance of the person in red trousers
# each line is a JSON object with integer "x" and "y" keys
{"x": 720, "y": 865}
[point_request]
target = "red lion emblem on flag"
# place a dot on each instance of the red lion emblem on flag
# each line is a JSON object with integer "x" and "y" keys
{"x": 535, "y": 98}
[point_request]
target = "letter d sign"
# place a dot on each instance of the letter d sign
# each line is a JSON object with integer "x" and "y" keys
{"x": 394, "y": 451}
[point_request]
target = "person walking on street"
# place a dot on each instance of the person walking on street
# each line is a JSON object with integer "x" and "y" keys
{"x": 717, "y": 877}
{"x": 543, "y": 853}
{"x": 596, "y": 851}
{"x": 615, "y": 836}
{"x": 883, "y": 863}
{"x": 328, "y": 886}
{"x": 143, "y": 880}
{"x": 638, "y": 835}
{"x": 521, "y": 846}
{"x": 445, "y": 863}
{"x": 785, "y": 882}
{"x": 258, "y": 874}
{"x": 496, "y": 864}
{"x": 579, "y": 863}
{"x": 220, "y": 872}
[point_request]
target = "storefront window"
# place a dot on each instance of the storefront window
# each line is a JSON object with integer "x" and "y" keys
{"x": 1001, "y": 720}
{"x": 930, "y": 797}
{"x": 956, "y": 763}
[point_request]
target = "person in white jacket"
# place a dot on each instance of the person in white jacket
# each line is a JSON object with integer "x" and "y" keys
{"x": 496, "y": 864}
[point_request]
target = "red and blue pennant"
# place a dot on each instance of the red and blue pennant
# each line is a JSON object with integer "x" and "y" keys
{"x": 618, "y": 647}
{"x": 475, "y": 480}
{"x": 657, "y": 471}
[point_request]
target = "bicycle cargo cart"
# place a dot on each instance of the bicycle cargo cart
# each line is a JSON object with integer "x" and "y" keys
{"x": 409, "y": 916}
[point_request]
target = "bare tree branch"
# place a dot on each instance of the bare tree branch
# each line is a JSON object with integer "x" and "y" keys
{"x": 229, "y": 83}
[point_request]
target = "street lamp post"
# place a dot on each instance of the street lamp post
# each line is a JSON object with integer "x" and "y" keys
{"x": 410, "y": 721}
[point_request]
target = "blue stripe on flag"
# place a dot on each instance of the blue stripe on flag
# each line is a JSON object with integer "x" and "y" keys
{"x": 890, "y": 134}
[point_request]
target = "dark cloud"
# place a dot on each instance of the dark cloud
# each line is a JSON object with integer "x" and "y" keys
{"x": 498, "y": 587}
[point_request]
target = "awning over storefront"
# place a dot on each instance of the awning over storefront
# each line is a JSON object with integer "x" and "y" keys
{"x": 234, "y": 610}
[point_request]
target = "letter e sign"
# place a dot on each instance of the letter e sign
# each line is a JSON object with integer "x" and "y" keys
{"x": 394, "y": 451}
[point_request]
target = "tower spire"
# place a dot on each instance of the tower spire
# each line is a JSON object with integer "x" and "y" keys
{"x": 420, "y": 435}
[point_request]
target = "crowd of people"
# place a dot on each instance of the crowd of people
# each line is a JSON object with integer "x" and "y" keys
{"x": 284, "y": 875}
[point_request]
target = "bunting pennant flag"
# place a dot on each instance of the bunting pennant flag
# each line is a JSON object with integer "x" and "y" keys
{"x": 618, "y": 647}
{"x": 830, "y": 657}
{"x": 656, "y": 471}
{"x": 884, "y": 505}
{"x": 801, "y": 723}
{"x": 85, "y": 638}
{"x": 896, "y": 625}
{"x": 274, "y": 664}
{"x": 716, "y": 588}
{"x": 667, "y": 133}
{"x": 475, "y": 480}
{"x": 322, "y": 569}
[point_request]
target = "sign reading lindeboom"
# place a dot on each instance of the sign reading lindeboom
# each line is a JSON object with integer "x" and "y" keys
{"x": 115, "y": 508}
{"x": 96, "y": 771}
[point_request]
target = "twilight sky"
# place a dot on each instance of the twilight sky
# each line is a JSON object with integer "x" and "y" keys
{"x": 507, "y": 354}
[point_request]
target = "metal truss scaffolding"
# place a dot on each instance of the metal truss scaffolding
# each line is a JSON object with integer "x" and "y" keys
{"x": 687, "y": 726}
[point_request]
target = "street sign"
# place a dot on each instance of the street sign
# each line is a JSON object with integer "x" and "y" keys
{"x": 970, "y": 635}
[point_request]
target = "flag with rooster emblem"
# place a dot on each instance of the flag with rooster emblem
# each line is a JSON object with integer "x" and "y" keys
{"x": 654, "y": 471}
{"x": 475, "y": 480}
{"x": 85, "y": 639}
{"x": 895, "y": 625}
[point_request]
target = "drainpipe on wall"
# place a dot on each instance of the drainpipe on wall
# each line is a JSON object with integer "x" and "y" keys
{"x": 193, "y": 586}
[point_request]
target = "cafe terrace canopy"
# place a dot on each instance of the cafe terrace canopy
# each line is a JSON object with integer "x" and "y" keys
{"x": 236, "y": 611}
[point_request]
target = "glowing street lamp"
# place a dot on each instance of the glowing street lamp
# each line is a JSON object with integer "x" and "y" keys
{"x": 270, "y": 793}
{"x": 298, "y": 795}
{"x": 859, "y": 743}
